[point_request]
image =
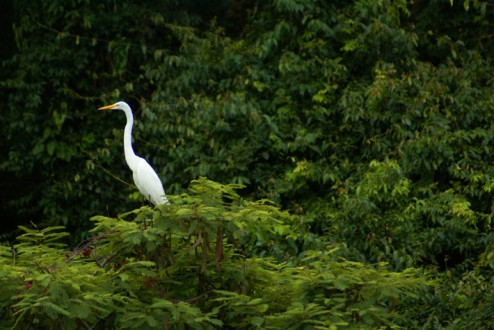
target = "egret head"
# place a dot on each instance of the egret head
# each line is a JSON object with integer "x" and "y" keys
{"x": 117, "y": 106}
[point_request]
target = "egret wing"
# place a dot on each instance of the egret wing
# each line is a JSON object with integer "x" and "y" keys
{"x": 148, "y": 183}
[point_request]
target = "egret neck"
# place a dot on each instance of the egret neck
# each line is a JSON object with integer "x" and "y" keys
{"x": 130, "y": 156}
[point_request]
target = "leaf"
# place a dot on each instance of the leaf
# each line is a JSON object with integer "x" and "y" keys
{"x": 43, "y": 279}
{"x": 50, "y": 147}
{"x": 256, "y": 321}
{"x": 184, "y": 213}
{"x": 341, "y": 283}
{"x": 54, "y": 310}
{"x": 162, "y": 304}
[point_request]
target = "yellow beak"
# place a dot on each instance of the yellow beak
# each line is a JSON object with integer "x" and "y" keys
{"x": 108, "y": 107}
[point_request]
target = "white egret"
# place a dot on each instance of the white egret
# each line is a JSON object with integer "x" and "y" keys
{"x": 145, "y": 178}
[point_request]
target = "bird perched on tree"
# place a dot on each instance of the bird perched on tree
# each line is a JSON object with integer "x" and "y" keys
{"x": 145, "y": 178}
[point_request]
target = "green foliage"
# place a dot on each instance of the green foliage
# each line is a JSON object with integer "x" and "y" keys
{"x": 41, "y": 288}
{"x": 368, "y": 122}
{"x": 193, "y": 264}
{"x": 323, "y": 292}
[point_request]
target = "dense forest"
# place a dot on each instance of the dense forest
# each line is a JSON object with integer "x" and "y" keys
{"x": 329, "y": 164}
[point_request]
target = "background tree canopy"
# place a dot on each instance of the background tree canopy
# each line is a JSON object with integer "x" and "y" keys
{"x": 368, "y": 122}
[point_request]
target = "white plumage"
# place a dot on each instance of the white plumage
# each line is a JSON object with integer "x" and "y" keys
{"x": 145, "y": 178}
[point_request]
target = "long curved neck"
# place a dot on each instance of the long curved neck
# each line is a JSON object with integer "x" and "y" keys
{"x": 130, "y": 156}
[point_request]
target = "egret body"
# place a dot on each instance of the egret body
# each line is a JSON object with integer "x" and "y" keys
{"x": 145, "y": 178}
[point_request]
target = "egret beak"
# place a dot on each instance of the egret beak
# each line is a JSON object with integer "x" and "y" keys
{"x": 108, "y": 107}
